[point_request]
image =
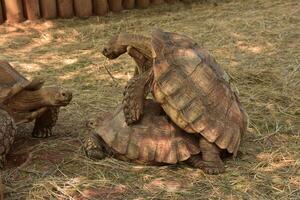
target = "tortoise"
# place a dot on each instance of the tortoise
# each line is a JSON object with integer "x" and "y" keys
{"x": 194, "y": 91}
{"x": 155, "y": 140}
{"x": 26, "y": 100}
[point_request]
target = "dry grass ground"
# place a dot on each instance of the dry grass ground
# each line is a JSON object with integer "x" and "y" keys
{"x": 257, "y": 42}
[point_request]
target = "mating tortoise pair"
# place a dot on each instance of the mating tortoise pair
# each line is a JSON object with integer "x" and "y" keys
{"x": 23, "y": 101}
{"x": 194, "y": 92}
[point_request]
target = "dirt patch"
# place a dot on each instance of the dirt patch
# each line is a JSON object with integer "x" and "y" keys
{"x": 101, "y": 193}
{"x": 20, "y": 154}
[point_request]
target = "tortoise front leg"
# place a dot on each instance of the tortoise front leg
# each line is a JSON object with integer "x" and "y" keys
{"x": 7, "y": 135}
{"x": 93, "y": 147}
{"x": 135, "y": 92}
{"x": 45, "y": 122}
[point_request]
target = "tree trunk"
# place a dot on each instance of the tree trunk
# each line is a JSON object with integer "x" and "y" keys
{"x": 170, "y": 1}
{"x": 1, "y": 14}
{"x": 142, "y": 3}
{"x": 128, "y": 4}
{"x": 83, "y": 8}
{"x": 100, "y": 7}
{"x": 157, "y": 2}
{"x": 115, "y": 5}
{"x": 48, "y": 9}
{"x": 32, "y": 9}
{"x": 65, "y": 8}
{"x": 186, "y": 1}
{"x": 14, "y": 11}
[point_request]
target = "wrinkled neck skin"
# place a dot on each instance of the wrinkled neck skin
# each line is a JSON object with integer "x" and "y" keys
{"x": 141, "y": 43}
{"x": 28, "y": 100}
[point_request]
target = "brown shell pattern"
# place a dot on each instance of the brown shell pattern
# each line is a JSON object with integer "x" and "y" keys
{"x": 153, "y": 140}
{"x": 8, "y": 78}
{"x": 7, "y": 134}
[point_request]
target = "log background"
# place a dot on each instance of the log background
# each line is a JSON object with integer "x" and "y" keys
{"x": 16, "y": 11}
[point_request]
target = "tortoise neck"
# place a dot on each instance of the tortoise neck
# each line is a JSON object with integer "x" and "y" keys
{"x": 141, "y": 43}
{"x": 28, "y": 100}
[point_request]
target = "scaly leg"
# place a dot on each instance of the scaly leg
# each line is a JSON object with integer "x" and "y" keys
{"x": 135, "y": 93}
{"x": 210, "y": 162}
{"x": 45, "y": 122}
{"x": 93, "y": 146}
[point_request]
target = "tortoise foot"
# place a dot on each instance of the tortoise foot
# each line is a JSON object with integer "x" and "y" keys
{"x": 133, "y": 102}
{"x": 96, "y": 154}
{"x": 208, "y": 167}
{"x": 45, "y": 122}
{"x": 135, "y": 92}
{"x": 211, "y": 163}
{"x": 42, "y": 133}
{"x": 132, "y": 111}
{"x": 93, "y": 148}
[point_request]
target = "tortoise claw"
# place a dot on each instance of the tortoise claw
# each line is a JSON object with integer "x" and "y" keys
{"x": 208, "y": 167}
{"x": 212, "y": 168}
{"x": 42, "y": 133}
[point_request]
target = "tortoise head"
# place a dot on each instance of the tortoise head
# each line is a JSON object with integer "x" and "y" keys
{"x": 94, "y": 122}
{"x": 114, "y": 48}
{"x": 55, "y": 96}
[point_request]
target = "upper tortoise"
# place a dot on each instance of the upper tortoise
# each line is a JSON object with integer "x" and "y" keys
{"x": 24, "y": 101}
{"x": 189, "y": 84}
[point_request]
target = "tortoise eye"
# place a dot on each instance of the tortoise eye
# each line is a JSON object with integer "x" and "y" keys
{"x": 105, "y": 50}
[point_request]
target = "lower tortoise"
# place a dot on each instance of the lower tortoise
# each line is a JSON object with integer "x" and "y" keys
{"x": 155, "y": 140}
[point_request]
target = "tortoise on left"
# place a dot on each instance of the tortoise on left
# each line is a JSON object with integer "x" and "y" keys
{"x": 26, "y": 100}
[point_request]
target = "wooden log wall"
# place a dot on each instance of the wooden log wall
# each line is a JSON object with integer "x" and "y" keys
{"x": 15, "y": 11}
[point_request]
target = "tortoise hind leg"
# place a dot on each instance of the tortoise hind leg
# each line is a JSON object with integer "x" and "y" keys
{"x": 93, "y": 147}
{"x": 210, "y": 161}
{"x": 44, "y": 123}
{"x": 135, "y": 93}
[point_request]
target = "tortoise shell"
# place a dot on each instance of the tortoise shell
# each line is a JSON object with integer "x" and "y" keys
{"x": 195, "y": 92}
{"x": 12, "y": 82}
{"x": 152, "y": 140}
